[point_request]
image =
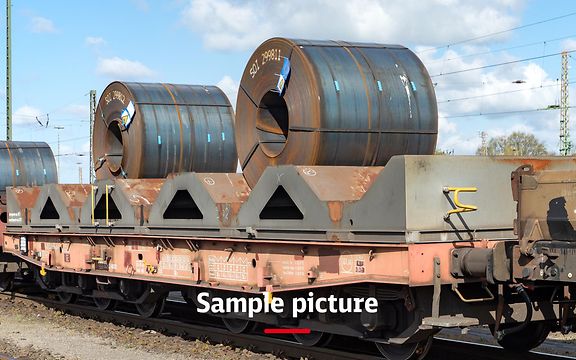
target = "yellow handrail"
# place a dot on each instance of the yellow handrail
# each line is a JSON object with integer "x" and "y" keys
{"x": 460, "y": 208}
{"x": 108, "y": 187}
{"x": 93, "y": 201}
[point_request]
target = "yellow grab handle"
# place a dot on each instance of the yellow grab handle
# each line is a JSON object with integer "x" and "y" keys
{"x": 460, "y": 208}
{"x": 93, "y": 205}
{"x": 108, "y": 187}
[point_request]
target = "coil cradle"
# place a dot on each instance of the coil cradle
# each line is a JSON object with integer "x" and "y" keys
{"x": 149, "y": 130}
{"x": 306, "y": 102}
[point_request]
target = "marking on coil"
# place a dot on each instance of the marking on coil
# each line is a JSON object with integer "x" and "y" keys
{"x": 209, "y": 139}
{"x": 17, "y": 172}
{"x": 336, "y": 85}
{"x": 309, "y": 172}
{"x": 223, "y": 136}
{"x": 209, "y": 181}
{"x": 159, "y": 140}
{"x": 379, "y": 85}
{"x": 405, "y": 82}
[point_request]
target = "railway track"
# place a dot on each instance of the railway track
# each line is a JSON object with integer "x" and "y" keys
{"x": 173, "y": 323}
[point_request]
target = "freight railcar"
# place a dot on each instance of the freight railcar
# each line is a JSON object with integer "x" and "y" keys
{"x": 340, "y": 198}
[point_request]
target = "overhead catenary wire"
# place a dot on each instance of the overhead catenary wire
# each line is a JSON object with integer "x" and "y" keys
{"x": 500, "y": 64}
{"x": 499, "y": 93}
{"x": 502, "y": 112}
{"x": 541, "y": 42}
{"x": 497, "y": 33}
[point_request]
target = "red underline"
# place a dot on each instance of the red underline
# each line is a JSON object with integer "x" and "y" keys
{"x": 287, "y": 331}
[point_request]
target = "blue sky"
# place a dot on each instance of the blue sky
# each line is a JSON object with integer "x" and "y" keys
{"x": 62, "y": 49}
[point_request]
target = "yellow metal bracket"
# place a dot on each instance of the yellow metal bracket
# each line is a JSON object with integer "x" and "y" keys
{"x": 460, "y": 208}
{"x": 93, "y": 190}
{"x": 108, "y": 188}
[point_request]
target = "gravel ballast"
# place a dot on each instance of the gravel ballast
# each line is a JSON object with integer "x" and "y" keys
{"x": 29, "y": 330}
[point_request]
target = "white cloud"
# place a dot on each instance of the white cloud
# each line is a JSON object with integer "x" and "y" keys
{"x": 42, "y": 25}
{"x": 230, "y": 88}
{"x": 123, "y": 69}
{"x": 141, "y": 5}
{"x": 519, "y": 86}
{"x": 505, "y": 90}
{"x": 228, "y": 24}
{"x": 94, "y": 41}
{"x": 26, "y": 115}
{"x": 446, "y": 126}
{"x": 569, "y": 44}
{"x": 77, "y": 111}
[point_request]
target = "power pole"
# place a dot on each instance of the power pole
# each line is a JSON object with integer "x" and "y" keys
{"x": 58, "y": 128}
{"x": 79, "y": 172}
{"x": 8, "y": 71}
{"x": 92, "y": 176}
{"x": 484, "y": 136}
{"x": 565, "y": 143}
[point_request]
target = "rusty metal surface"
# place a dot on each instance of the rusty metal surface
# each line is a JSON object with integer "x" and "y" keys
{"x": 20, "y": 201}
{"x": 306, "y": 199}
{"x": 546, "y": 202}
{"x": 59, "y": 204}
{"x": 343, "y": 104}
{"x": 141, "y": 193}
{"x": 175, "y": 128}
{"x": 546, "y": 205}
{"x": 129, "y": 203}
{"x": 403, "y": 202}
{"x": 199, "y": 200}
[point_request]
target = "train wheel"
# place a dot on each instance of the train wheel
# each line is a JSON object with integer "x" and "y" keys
{"x": 46, "y": 279}
{"x": 188, "y": 296}
{"x": 151, "y": 308}
{"x": 315, "y": 338}
{"x": 411, "y": 351}
{"x": 238, "y": 326}
{"x": 104, "y": 303}
{"x": 6, "y": 281}
{"x": 66, "y": 298}
{"x": 526, "y": 339}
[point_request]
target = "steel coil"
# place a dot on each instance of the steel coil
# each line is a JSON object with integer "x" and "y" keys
{"x": 26, "y": 163}
{"x": 149, "y": 130}
{"x": 341, "y": 104}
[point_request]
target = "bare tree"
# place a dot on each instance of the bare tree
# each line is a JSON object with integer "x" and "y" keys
{"x": 518, "y": 143}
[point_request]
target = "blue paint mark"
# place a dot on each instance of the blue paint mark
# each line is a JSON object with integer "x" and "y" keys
{"x": 223, "y": 137}
{"x": 379, "y": 85}
{"x": 336, "y": 85}
{"x": 17, "y": 172}
{"x": 209, "y": 138}
{"x": 159, "y": 140}
{"x": 45, "y": 172}
{"x": 413, "y": 85}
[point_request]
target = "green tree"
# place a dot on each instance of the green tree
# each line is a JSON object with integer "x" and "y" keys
{"x": 518, "y": 143}
{"x": 443, "y": 152}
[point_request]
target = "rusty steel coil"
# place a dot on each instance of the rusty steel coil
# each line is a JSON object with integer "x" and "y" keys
{"x": 342, "y": 104}
{"x": 149, "y": 130}
{"x": 26, "y": 163}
